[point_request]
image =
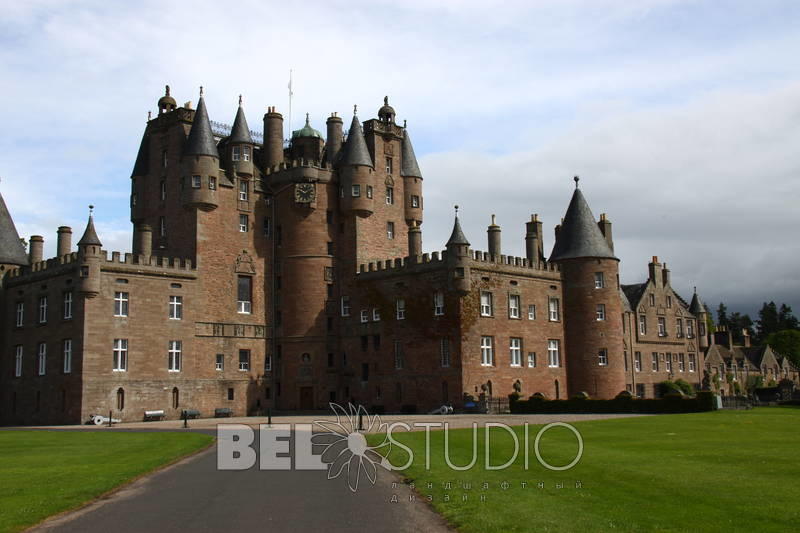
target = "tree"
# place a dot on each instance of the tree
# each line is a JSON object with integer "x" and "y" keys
{"x": 767, "y": 320}
{"x": 722, "y": 315}
{"x": 738, "y": 322}
{"x": 786, "y": 319}
{"x": 787, "y": 343}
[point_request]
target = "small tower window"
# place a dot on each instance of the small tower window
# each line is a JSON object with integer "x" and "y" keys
{"x": 356, "y": 191}
{"x": 245, "y": 294}
{"x": 245, "y": 153}
{"x": 196, "y": 182}
{"x": 243, "y": 223}
{"x": 389, "y": 195}
{"x": 243, "y": 190}
{"x": 212, "y": 183}
{"x": 163, "y": 190}
{"x": 162, "y": 226}
{"x": 389, "y": 166}
{"x": 414, "y": 200}
{"x": 236, "y": 153}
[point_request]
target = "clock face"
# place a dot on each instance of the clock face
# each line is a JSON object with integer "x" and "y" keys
{"x": 304, "y": 193}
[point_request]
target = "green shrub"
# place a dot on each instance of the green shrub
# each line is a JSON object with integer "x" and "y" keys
{"x": 685, "y": 387}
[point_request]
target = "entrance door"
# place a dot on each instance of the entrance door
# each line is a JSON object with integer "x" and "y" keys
{"x": 306, "y": 398}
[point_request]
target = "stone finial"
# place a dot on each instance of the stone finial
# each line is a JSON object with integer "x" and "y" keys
{"x": 167, "y": 90}
{"x": 201, "y": 90}
{"x": 355, "y": 109}
{"x": 149, "y": 115}
{"x": 385, "y": 100}
{"x": 577, "y": 179}
{"x": 456, "y": 209}
{"x": 91, "y": 209}
{"x": 240, "y": 100}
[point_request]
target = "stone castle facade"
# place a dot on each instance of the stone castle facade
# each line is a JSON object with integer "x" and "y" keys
{"x": 287, "y": 275}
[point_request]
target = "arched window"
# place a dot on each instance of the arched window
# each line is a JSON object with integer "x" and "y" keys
{"x": 120, "y": 399}
{"x": 175, "y": 398}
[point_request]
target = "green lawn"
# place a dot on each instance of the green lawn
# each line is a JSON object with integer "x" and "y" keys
{"x": 45, "y": 472}
{"x": 717, "y": 471}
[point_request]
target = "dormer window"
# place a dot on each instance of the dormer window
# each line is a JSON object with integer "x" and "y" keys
{"x": 236, "y": 154}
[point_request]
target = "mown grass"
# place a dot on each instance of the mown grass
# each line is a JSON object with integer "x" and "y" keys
{"x": 716, "y": 471}
{"x": 46, "y": 472}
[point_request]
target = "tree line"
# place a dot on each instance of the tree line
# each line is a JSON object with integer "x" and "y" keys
{"x": 776, "y": 326}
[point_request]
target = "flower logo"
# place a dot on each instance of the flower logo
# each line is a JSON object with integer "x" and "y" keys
{"x": 346, "y": 449}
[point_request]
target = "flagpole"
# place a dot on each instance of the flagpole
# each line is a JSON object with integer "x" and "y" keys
{"x": 290, "y": 103}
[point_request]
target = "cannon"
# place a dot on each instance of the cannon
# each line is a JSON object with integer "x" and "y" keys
{"x": 99, "y": 420}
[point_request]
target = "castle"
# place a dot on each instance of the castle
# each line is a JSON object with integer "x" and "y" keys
{"x": 286, "y": 275}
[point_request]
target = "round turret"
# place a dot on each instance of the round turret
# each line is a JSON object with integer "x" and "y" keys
{"x": 166, "y": 103}
{"x": 386, "y": 112}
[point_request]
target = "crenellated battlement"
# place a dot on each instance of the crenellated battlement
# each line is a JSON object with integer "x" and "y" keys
{"x": 174, "y": 263}
{"x": 507, "y": 260}
{"x": 405, "y": 264}
{"x": 283, "y": 166}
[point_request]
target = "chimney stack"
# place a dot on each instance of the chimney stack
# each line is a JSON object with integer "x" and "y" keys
{"x": 334, "y": 140}
{"x": 746, "y": 337}
{"x": 64, "y": 243}
{"x": 605, "y": 228}
{"x": 36, "y": 247}
{"x": 494, "y": 240}
{"x": 665, "y": 275}
{"x": 655, "y": 271}
{"x": 533, "y": 241}
{"x": 414, "y": 240}
{"x": 273, "y": 138}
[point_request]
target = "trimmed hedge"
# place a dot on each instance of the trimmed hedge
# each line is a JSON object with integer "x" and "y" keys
{"x": 704, "y": 401}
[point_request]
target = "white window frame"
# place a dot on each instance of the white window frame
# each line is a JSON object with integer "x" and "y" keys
{"x": 554, "y": 311}
{"x": 18, "y": 361}
{"x": 245, "y": 153}
{"x": 197, "y": 181}
{"x": 175, "y": 307}
{"x": 120, "y": 359}
{"x": 444, "y": 352}
{"x": 20, "y": 316}
{"x": 654, "y": 363}
{"x": 692, "y": 362}
{"x": 355, "y": 190}
{"x": 681, "y": 362}
{"x": 369, "y": 192}
{"x": 487, "y": 351}
{"x": 486, "y": 303}
{"x": 600, "y": 313}
{"x": 514, "y": 303}
{"x": 690, "y": 329}
{"x": 244, "y": 223}
{"x": 174, "y": 356}
{"x": 67, "y": 353}
{"x": 345, "y": 306}
{"x": 553, "y": 353}
{"x": 162, "y": 226}
{"x": 219, "y": 362}
{"x": 212, "y": 183}
{"x": 602, "y": 357}
{"x": 399, "y": 358}
{"x": 637, "y": 361}
{"x": 642, "y": 324}
{"x": 662, "y": 326}
{"x": 531, "y": 359}
{"x": 390, "y": 230}
{"x": 438, "y": 303}
{"x": 67, "y": 305}
{"x": 389, "y": 195}
{"x": 244, "y": 366}
{"x": 42, "y": 309}
{"x": 41, "y": 360}
{"x": 679, "y": 328}
{"x": 244, "y": 190}
{"x": 121, "y": 304}
{"x": 599, "y": 280}
{"x": 163, "y": 190}
{"x": 244, "y": 307}
{"x": 364, "y": 316}
{"x": 668, "y": 362}
{"x": 236, "y": 153}
{"x": 376, "y": 314}
{"x": 415, "y": 200}
{"x": 515, "y": 351}
{"x": 531, "y": 311}
{"x": 400, "y": 308}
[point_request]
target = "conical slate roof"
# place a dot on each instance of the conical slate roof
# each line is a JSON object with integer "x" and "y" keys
{"x": 240, "y": 133}
{"x": 355, "y": 150}
{"x": 142, "y": 165}
{"x": 12, "y": 252}
{"x": 579, "y": 235}
{"x": 201, "y": 138}
{"x": 90, "y": 235}
{"x": 697, "y": 307}
{"x": 457, "y": 237}
{"x": 409, "y": 165}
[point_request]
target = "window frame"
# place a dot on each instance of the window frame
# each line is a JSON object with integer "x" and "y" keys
{"x": 390, "y": 233}
{"x": 19, "y": 353}
{"x": 244, "y": 307}
{"x": 602, "y": 357}
{"x": 67, "y": 305}
{"x": 487, "y": 350}
{"x": 175, "y": 307}
{"x": 400, "y": 309}
{"x": 600, "y": 312}
{"x": 20, "y": 315}
{"x": 120, "y": 355}
{"x": 174, "y": 356}
{"x": 515, "y": 351}
{"x": 554, "y": 311}
{"x": 444, "y": 352}
{"x": 599, "y": 280}
{"x": 553, "y": 353}
{"x": 389, "y": 195}
{"x": 41, "y": 359}
{"x": 121, "y": 304}
{"x": 514, "y": 305}
{"x": 244, "y": 360}
{"x": 438, "y": 303}
{"x": 66, "y": 352}
{"x": 487, "y": 307}
{"x": 531, "y": 311}
{"x": 43, "y": 309}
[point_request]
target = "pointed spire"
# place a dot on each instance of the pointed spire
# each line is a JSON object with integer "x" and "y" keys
{"x": 240, "y": 132}
{"x": 697, "y": 307}
{"x": 142, "y": 165}
{"x": 457, "y": 237}
{"x": 12, "y": 252}
{"x": 90, "y": 235}
{"x": 579, "y": 235}
{"x": 409, "y": 166}
{"x": 355, "y": 150}
{"x": 201, "y": 138}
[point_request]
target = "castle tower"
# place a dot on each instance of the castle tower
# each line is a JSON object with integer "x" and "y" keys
{"x": 412, "y": 178}
{"x": 592, "y": 306}
{"x": 698, "y": 309}
{"x": 355, "y": 171}
{"x": 89, "y": 256}
{"x": 12, "y": 252}
{"x": 458, "y": 259}
{"x": 200, "y": 163}
{"x": 307, "y": 143}
{"x": 240, "y": 145}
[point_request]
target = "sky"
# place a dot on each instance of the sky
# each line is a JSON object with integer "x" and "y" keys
{"x": 682, "y": 117}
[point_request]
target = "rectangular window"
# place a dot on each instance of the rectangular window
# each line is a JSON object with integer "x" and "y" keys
{"x": 602, "y": 357}
{"x": 652, "y": 298}
{"x": 599, "y": 280}
{"x": 267, "y": 226}
{"x": 244, "y": 360}
{"x": 414, "y": 200}
{"x": 162, "y": 226}
{"x": 690, "y": 329}
{"x": 438, "y": 303}
{"x": 669, "y": 301}
{"x": 389, "y": 166}
{"x": 176, "y": 307}
{"x": 245, "y": 153}
{"x": 42, "y": 309}
{"x": 662, "y": 326}
{"x": 515, "y": 351}
{"x": 67, "y": 305}
{"x": 18, "y": 361}
{"x": 42, "y": 362}
{"x": 600, "y": 312}
{"x": 164, "y": 159}
{"x": 120, "y": 355}
{"x": 237, "y": 153}
{"x": 356, "y": 191}
{"x": 376, "y": 315}
{"x": 195, "y": 182}
{"x": 444, "y": 351}
{"x": 486, "y": 303}
{"x": 67, "y": 353}
{"x": 345, "y": 305}
{"x": 637, "y": 361}
{"x": 212, "y": 183}
{"x": 364, "y": 316}
{"x": 531, "y": 359}
{"x": 243, "y": 190}
{"x": 390, "y": 230}
{"x": 174, "y": 360}
{"x": 120, "y": 304}
{"x": 389, "y": 196}
{"x": 655, "y": 362}
{"x": 679, "y": 328}
{"x": 400, "y": 307}
{"x": 244, "y": 223}
{"x": 555, "y": 313}
{"x": 219, "y": 365}
{"x": 668, "y": 362}
{"x": 487, "y": 353}
{"x": 513, "y": 305}
{"x": 163, "y": 188}
{"x": 642, "y": 325}
{"x": 681, "y": 363}
{"x": 692, "y": 362}
{"x": 369, "y": 191}
{"x": 244, "y": 296}
{"x": 268, "y": 363}
{"x": 553, "y": 353}
{"x": 531, "y": 312}
{"x": 399, "y": 359}
{"x": 20, "y": 314}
